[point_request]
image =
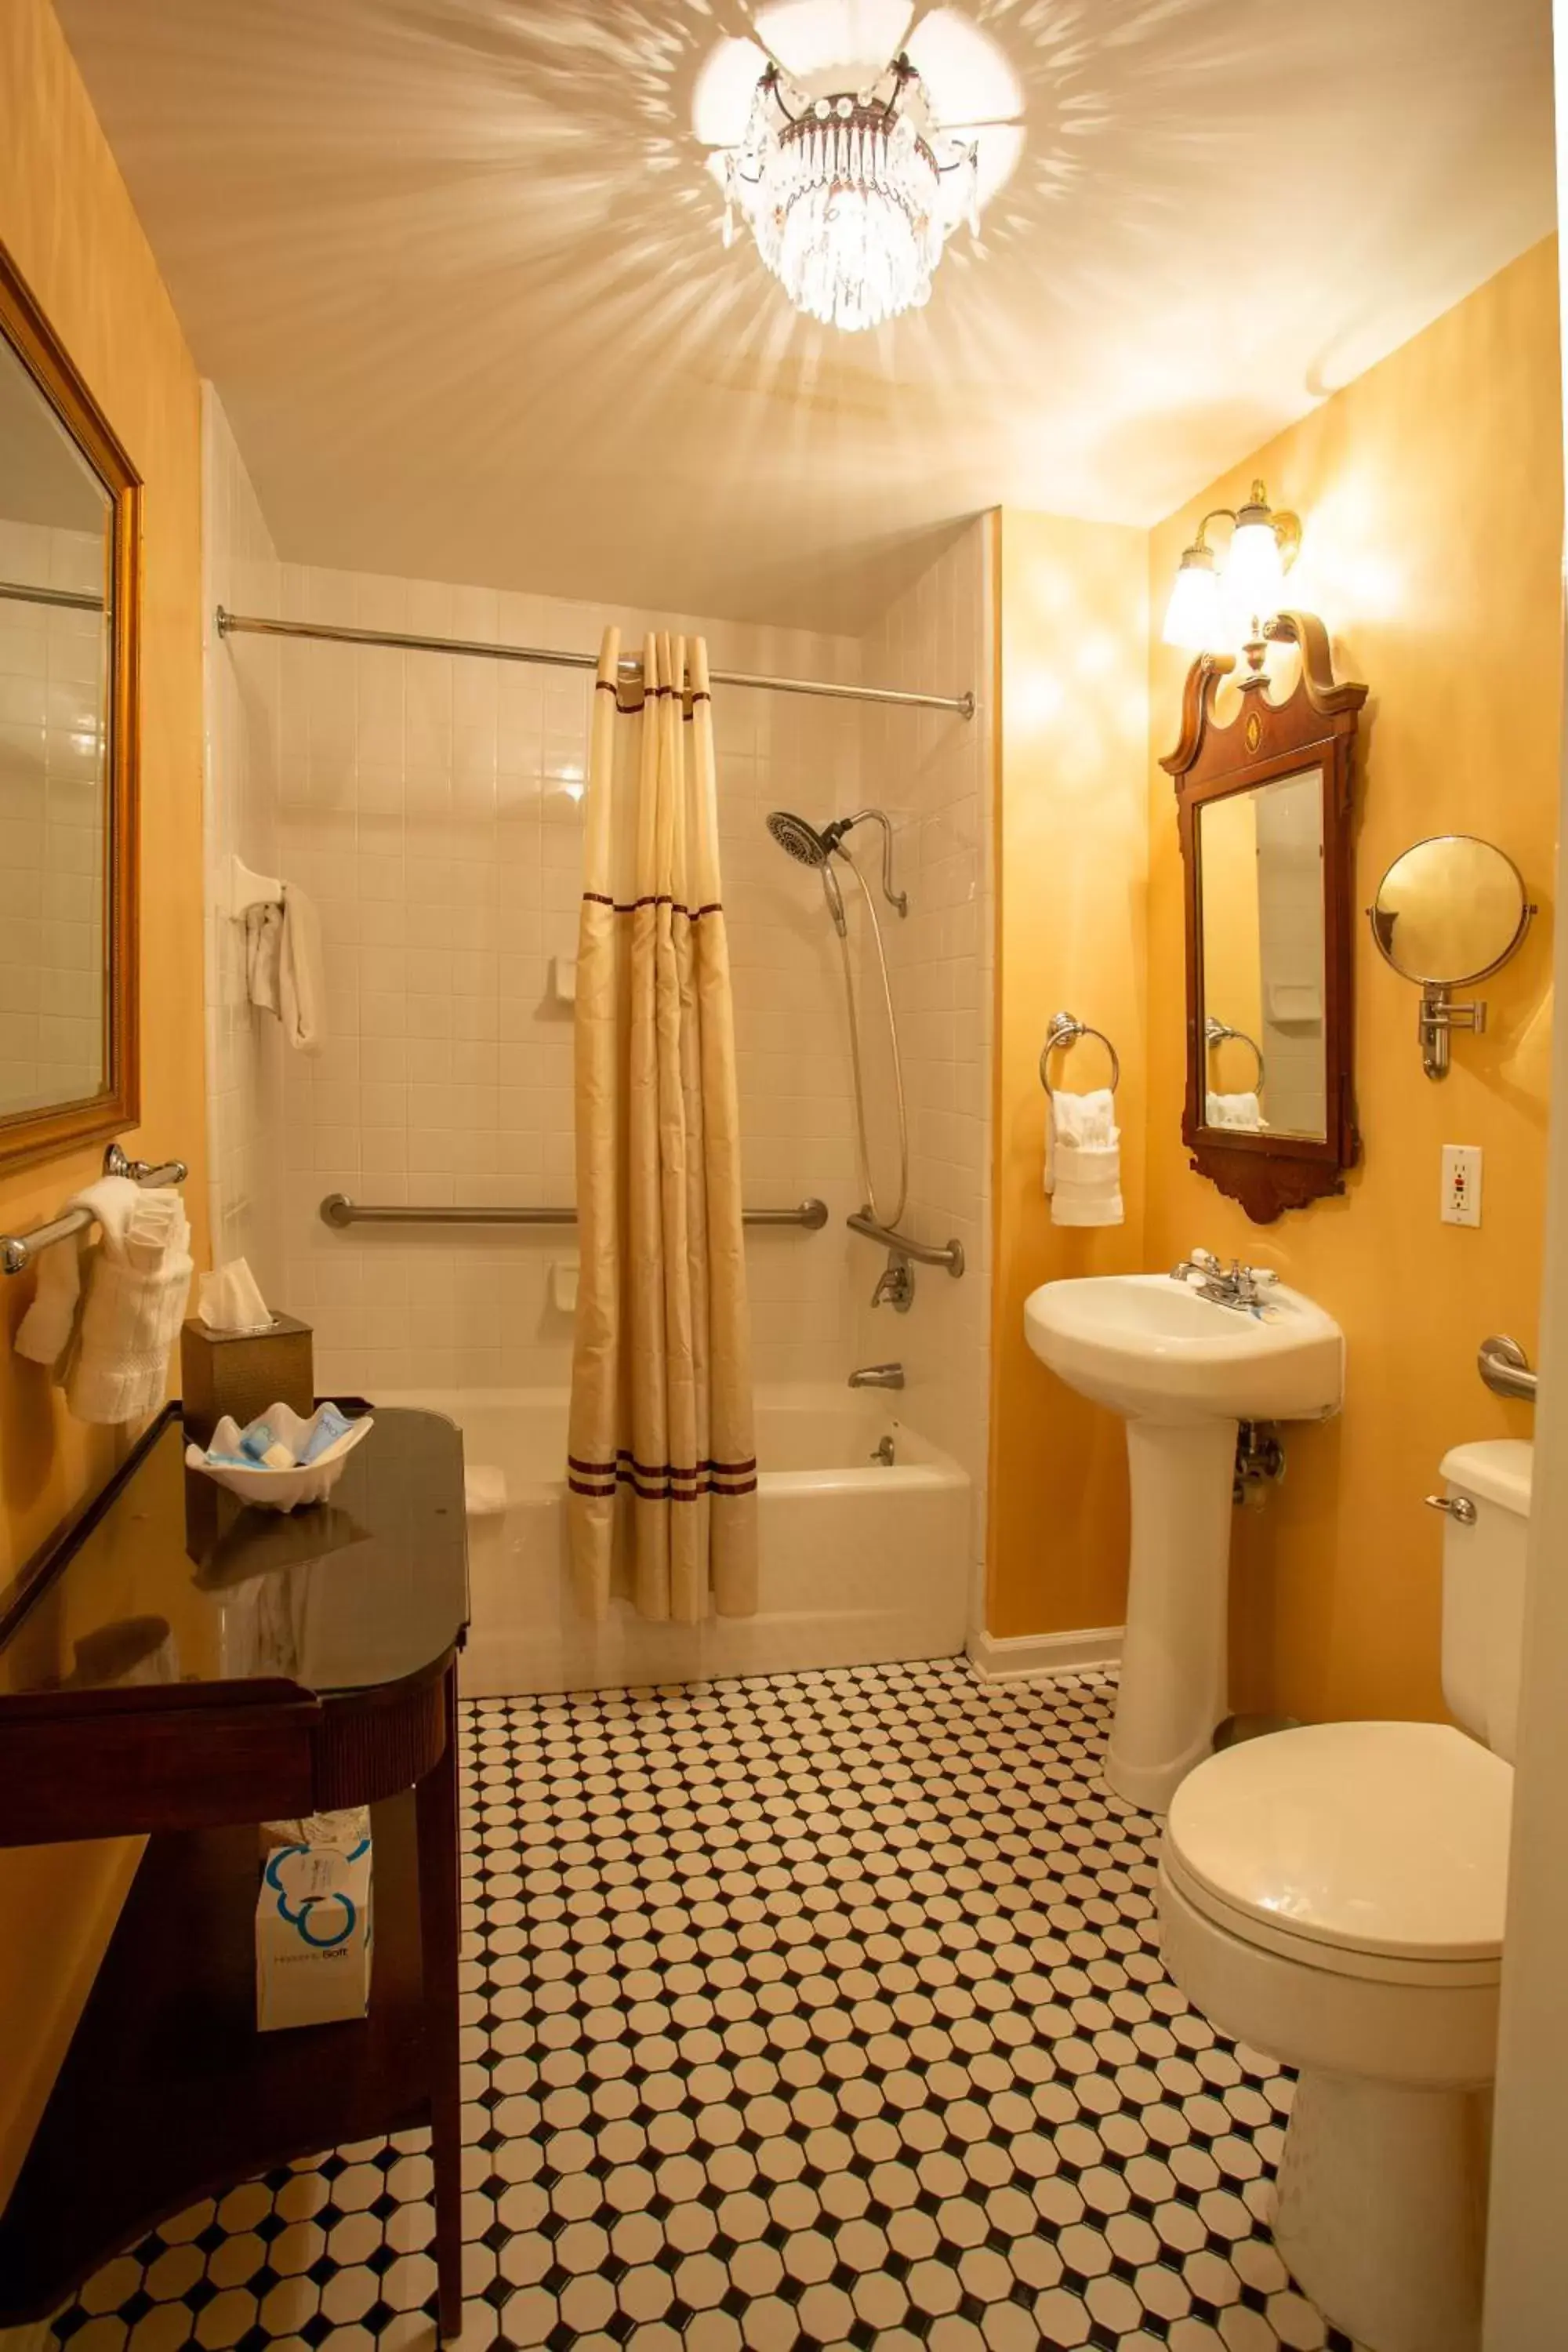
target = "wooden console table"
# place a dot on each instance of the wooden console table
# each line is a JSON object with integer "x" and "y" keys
{"x": 181, "y": 1667}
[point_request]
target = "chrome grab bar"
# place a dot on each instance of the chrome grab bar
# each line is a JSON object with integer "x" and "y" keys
{"x": 948, "y": 1253}
{"x": 1505, "y": 1368}
{"x": 18, "y": 1251}
{"x": 338, "y": 1210}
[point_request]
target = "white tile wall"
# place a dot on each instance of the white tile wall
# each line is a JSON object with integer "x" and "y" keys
{"x": 430, "y": 805}
{"x": 51, "y": 823}
{"x": 933, "y": 773}
{"x": 245, "y": 1051}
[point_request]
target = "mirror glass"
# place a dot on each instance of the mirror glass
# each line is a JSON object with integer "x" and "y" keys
{"x": 1260, "y": 879}
{"x": 1451, "y": 909}
{"x": 56, "y": 523}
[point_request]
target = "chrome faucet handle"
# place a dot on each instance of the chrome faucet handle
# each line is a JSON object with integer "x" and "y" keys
{"x": 1207, "y": 1260}
{"x": 1262, "y": 1277}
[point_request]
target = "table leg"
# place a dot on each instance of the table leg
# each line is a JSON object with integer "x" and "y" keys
{"x": 436, "y": 1800}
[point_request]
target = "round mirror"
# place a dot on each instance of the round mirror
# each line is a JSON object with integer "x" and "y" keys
{"x": 1451, "y": 909}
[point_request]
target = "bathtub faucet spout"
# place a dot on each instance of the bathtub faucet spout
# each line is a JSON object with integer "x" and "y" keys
{"x": 877, "y": 1376}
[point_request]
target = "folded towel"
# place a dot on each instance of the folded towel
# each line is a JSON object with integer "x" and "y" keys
{"x": 1083, "y": 1159}
{"x": 1231, "y": 1110}
{"x": 484, "y": 1491}
{"x": 111, "y": 1347}
{"x": 283, "y": 967}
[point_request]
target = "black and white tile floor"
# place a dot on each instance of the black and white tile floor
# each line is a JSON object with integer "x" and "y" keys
{"x": 821, "y": 2009}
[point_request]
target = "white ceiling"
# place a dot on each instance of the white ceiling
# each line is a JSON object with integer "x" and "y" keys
{"x": 455, "y": 267}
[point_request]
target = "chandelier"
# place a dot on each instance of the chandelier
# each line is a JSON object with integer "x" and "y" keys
{"x": 852, "y": 196}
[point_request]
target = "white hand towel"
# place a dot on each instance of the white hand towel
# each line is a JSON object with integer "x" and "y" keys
{"x": 283, "y": 967}
{"x": 46, "y": 1328}
{"x": 1083, "y": 1159}
{"x": 304, "y": 995}
{"x": 110, "y": 1349}
{"x": 1231, "y": 1110}
{"x": 263, "y": 938}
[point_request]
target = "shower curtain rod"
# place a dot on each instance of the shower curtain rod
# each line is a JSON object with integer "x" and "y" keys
{"x": 397, "y": 641}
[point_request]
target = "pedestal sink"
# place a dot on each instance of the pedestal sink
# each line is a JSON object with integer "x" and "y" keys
{"x": 1182, "y": 1371}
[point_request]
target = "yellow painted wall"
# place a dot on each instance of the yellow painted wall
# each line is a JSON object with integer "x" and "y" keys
{"x": 69, "y": 223}
{"x": 1071, "y": 829}
{"x": 1431, "y": 494}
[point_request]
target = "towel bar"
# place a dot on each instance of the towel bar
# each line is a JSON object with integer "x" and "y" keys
{"x": 1215, "y": 1032}
{"x": 1065, "y": 1029}
{"x": 18, "y": 1251}
{"x": 338, "y": 1211}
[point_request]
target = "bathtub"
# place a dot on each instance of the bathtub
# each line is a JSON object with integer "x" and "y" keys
{"x": 859, "y": 1561}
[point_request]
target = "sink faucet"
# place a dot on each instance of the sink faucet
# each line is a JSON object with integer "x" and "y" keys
{"x": 877, "y": 1376}
{"x": 1245, "y": 1288}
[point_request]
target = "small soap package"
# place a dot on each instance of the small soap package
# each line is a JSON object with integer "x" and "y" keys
{"x": 314, "y": 1921}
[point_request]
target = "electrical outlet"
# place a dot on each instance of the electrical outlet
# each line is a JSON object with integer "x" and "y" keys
{"x": 1461, "y": 1184}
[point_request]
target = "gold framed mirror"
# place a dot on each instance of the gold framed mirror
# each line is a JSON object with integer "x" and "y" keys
{"x": 70, "y": 554}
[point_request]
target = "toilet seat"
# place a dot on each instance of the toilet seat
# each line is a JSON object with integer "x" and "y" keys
{"x": 1370, "y": 1849}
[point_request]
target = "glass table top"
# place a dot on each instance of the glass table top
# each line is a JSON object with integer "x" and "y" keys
{"x": 177, "y": 1581}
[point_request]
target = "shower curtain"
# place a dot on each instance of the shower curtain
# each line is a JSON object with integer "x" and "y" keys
{"x": 661, "y": 1471}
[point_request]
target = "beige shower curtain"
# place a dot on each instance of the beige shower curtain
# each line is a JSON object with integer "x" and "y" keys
{"x": 661, "y": 1473}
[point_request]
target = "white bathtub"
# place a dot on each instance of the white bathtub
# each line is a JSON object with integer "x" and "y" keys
{"x": 859, "y": 1561}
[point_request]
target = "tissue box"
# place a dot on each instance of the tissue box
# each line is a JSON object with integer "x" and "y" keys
{"x": 240, "y": 1373}
{"x": 314, "y": 1934}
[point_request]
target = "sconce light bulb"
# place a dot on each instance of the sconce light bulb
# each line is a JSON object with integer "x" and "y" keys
{"x": 1194, "y": 618}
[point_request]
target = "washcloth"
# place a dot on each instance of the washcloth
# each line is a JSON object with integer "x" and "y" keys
{"x": 484, "y": 1491}
{"x": 1231, "y": 1110}
{"x": 108, "y": 1340}
{"x": 283, "y": 967}
{"x": 1083, "y": 1159}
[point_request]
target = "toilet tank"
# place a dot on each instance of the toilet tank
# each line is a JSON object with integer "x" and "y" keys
{"x": 1483, "y": 1587}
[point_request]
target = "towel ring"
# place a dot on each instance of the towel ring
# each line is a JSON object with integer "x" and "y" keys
{"x": 1065, "y": 1029}
{"x": 1216, "y": 1032}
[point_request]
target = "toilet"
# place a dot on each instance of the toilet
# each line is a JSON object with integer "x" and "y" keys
{"x": 1334, "y": 1897}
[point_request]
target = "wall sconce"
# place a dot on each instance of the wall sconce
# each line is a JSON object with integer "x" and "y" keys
{"x": 1210, "y": 603}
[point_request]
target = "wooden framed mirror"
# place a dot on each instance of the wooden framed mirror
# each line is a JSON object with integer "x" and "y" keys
{"x": 1264, "y": 805}
{"x": 70, "y": 550}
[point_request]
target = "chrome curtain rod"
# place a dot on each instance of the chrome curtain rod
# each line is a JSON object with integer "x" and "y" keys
{"x": 338, "y": 1210}
{"x": 399, "y": 641}
{"x": 69, "y": 600}
{"x": 18, "y": 1251}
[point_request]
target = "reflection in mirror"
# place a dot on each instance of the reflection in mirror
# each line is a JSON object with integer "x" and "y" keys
{"x": 1260, "y": 861}
{"x": 56, "y": 521}
{"x": 1449, "y": 910}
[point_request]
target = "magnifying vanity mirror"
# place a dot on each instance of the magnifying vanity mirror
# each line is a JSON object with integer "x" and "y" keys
{"x": 1264, "y": 808}
{"x": 1450, "y": 911}
{"x": 69, "y": 558}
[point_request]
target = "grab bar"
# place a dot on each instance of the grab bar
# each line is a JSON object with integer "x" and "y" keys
{"x": 1505, "y": 1368}
{"x": 948, "y": 1253}
{"x": 338, "y": 1210}
{"x": 18, "y": 1251}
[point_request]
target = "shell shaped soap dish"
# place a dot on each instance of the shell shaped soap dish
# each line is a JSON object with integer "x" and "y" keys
{"x": 285, "y": 1488}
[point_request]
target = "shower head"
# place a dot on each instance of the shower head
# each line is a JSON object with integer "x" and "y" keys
{"x": 799, "y": 840}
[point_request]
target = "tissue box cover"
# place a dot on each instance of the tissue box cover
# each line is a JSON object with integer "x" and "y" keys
{"x": 314, "y": 1934}
{"x": 238, "y": 1374}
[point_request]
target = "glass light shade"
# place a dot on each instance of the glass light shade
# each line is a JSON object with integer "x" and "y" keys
{"x": 851, "y": 198}
{"x": 1194, "y": 618}
{"x": 1254, "y": 572}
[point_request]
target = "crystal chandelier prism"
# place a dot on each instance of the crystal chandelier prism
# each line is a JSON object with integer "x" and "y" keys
{"x": 852, "y": 196}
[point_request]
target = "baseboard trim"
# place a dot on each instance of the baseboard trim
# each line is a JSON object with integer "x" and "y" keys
{"x": 1009, "y": 1657}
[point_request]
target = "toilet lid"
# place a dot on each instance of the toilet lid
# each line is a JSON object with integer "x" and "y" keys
{"x": 1387, "y": 1837}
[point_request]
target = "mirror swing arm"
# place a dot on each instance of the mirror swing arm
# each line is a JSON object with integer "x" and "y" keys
{"x": 1266, "y": 741}
{"x": 1464, "y": 962}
